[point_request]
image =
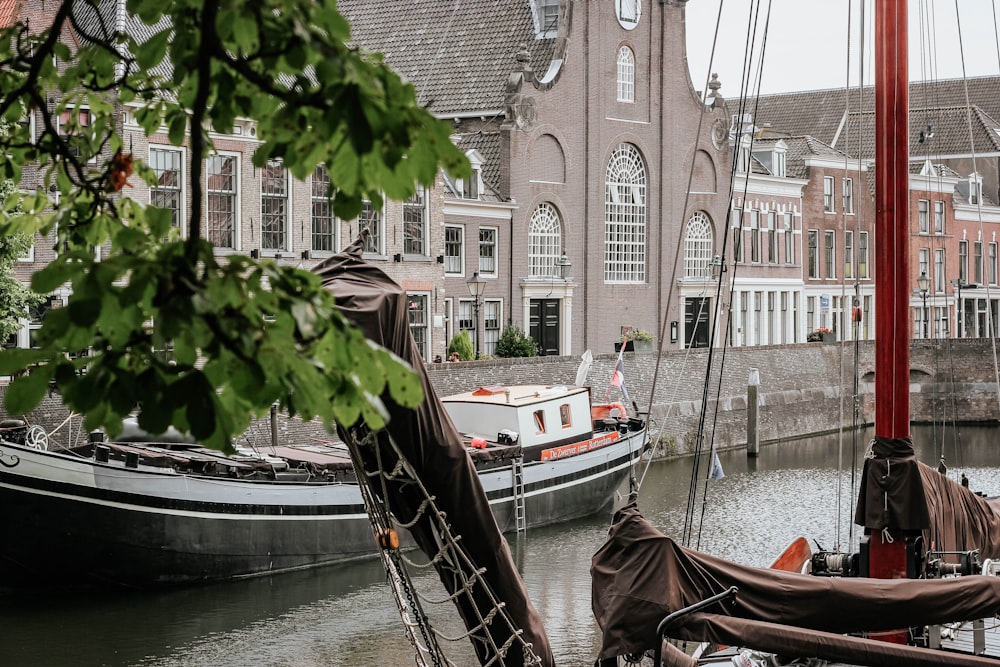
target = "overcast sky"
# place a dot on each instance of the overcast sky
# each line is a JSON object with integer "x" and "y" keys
{"x": 806, "y": 47}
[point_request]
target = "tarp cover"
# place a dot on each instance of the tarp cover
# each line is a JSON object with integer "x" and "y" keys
{"x": 429, "y": 441}
{"x": 892, "y": 494}
{"x": 640, "y": 576}
{"x": 960, "y": 520}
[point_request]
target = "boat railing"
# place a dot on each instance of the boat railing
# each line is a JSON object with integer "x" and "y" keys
{"x": 671, "y": 619}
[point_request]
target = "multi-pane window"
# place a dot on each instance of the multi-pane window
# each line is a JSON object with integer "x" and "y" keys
{"x": 992, "y": 267}
{"x": 813, "y": 253}
{"x": 415, "y": 223}
{"x": 828, "y": 194}
{"x": 848, "y": 254}
{"x": 963, "y": 261}
{"x": 74, "y": 124}
{"x": 491, "y": 325}
{"x": 626, "y": 75}
{"x": 487, "y": 250}
{"x": 544, "y": 241}
{"x": 466, "y": 311}
{"x": 977, "y": 262}
{"x": 274, "y": 206}
{"x": 416, "y": 314}
{"x": 625, "y": 217}
{"x": 939, "y": 217}
{"x": 831, "y": 267}
{"x": 371, "y": 219}
{"x": 755, "y": 237}
{"x": 323, "y": 221}
{"x": 939, "y": 270}
{"x": 220, "y": 200}
{"x": 975, "y": 188}
{"x": 848, "y": 195}
{"x": 698, "y": 247}
{"x": 772, "y": 237}
{"x": 789, "y": 239}
{"x": 453, "y": 249}
{"x": 738, "y": 235}
{"x": 547, "y": 15}
{"x": 923, "y": 216}
{"x": 166, "y": 164}
{"x": 924, "y": 261}
{"x": 863, "y": 255}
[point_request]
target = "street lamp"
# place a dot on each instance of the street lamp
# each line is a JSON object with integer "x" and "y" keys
{"x": 477, "y": 285}
{"x": 923, "y": 284}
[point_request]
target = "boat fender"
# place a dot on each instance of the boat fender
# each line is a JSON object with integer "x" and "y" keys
{"x": 478, "y": 443}
{"x": 388, "y": 539}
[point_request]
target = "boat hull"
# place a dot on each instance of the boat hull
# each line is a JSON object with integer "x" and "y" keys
{"x": 69, "y": 521}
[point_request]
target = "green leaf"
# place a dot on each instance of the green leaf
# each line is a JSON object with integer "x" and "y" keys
{"x": 26, "y": 392}
{"x": 16, "y": 359}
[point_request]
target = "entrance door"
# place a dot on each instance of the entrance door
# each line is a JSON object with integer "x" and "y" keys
{"x": 696, "y": 320}
{"x": 543, "y": 324}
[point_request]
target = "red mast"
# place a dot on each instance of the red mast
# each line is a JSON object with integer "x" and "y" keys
{"x": 887, "y": 559}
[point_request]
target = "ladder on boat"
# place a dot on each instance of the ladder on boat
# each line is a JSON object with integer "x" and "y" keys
{"x": 517, "y": 472}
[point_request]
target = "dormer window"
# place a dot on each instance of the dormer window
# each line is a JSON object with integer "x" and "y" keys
{"x": 546, "y": 15}
{"x": 975, "y": 189}
{"x": 778, "y": 162}
{"x": 472, "y": 185}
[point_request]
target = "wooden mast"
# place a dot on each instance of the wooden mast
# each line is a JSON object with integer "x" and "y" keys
{"x": 887, "y": 559}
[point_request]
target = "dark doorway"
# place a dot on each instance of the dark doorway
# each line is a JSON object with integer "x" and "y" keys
{"x": 696, "y": 321}
{"x": 543, "y": 325}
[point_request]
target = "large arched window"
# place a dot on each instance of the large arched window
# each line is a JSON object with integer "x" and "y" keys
{"x": 698, "y": 247}
{"x": 626, "y": 75}
{"x": 544, "y": 241}
{"x": 625, "y": 217}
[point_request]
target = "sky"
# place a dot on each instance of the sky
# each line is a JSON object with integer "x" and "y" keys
{"x": 807, "y": 42}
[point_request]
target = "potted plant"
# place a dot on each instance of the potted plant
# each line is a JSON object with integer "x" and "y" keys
{"x": 822, "y": 334}
{"x": 638, "y": 340}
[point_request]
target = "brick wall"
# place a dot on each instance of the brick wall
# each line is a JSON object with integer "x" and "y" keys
{"x": 800, "y": 390}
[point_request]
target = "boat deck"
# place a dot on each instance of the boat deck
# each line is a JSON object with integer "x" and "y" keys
{"x": 976, "y": 638}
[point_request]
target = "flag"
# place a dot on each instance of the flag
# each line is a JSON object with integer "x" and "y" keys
{"x": 618, "y": 378}
{"x": 716, "y": 472}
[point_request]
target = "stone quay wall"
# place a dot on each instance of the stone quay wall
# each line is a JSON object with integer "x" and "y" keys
{"x": 804, "y": 389}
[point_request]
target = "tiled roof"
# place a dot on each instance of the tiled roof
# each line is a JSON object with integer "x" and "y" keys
{"x": 9, "y": 10}
{"x": 488, "y": 145}
{"x": 801, "y": 148}
{"x": 824, "y": 114}
{"x": 950, "y": 134}
{"x": 458, "y": 55}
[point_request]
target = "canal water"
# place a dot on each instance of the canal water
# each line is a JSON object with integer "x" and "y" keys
{"x": 344, "y": 615}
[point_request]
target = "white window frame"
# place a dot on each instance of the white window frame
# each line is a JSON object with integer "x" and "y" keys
{"x": 489, "y": 262}
{"x": 492, "y": 326}
{"x": 544, "y": 241}
{"x": 545, "y": 15}
{"x": 848, "y": 253}
{"x": 454, "y": 265}
{"x": 234, "y": 193}
{"x": 813, "y": 253}
{"x": 848, "y": 185}
{"x": 939, "y": 217}
{"x": 281, "y": 214}
{"x": 69, "y": 109}
{"x": 940, "y": 275}
{"x": 828, "y": 203}
{"x": 178, "y": 191}
{"x": 415, "y": 227}
{"x": 789, "y": 238}
{"x": 375, "y": 245}
{"x": 626, "y": 74}
{"x": 422, "y": 325}
{"x": 625, "y": 213}
{"x": 321, "y": 213}
{"x": 830, "y": 253}
{"x": 698, "y": 246}
{"x": 923, "y": 216}
{"x": 863, "y": 258}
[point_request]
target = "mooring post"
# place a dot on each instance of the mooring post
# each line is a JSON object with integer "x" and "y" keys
{"x": 753, "y": 414}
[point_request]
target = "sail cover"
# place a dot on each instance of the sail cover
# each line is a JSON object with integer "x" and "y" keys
{"x": 432, "y": 445}
{"x": 960, "y": 520}
{"x": 640, "y": 576}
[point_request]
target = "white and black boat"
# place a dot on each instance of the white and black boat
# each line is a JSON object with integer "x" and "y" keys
{"x": 137, "y": 512}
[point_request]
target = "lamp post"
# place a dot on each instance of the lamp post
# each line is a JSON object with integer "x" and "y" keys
{"x": 923, "y": 284}
{"x": 477, "y": 285}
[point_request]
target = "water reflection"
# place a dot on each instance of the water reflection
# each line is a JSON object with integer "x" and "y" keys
{"x": 344, "y": 615}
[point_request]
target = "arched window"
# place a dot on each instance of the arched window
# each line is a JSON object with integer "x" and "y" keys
{"x": 544, "y": 241}
{"x": 698, "y": 247}
{"x": 626, "y": 75}
{"x": 625, "y": 217}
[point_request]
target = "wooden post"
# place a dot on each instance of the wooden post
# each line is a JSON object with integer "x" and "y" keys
{"x": 753, "y": 414}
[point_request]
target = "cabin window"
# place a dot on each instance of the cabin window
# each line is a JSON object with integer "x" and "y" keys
{"x": 564, "y": 415}
{"x": 539, "y": 421}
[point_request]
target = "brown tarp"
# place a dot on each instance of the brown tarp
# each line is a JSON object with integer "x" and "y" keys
{"x": 960, "y": 520}
{"x": 640, "y": 576}
{"x": 892, "y": 494}
{"x": 429, "y": 441}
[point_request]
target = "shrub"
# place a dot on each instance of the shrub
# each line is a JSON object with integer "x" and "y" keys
{"x": 514, "y": 342}
{"x": 462, "y": 343}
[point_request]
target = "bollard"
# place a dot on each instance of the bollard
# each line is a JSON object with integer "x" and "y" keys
{"x": 753, "y": 414}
